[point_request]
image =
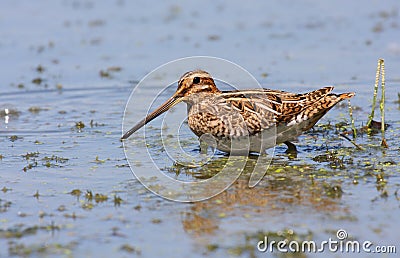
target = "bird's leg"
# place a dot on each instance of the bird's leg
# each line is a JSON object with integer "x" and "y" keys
{"x": 203, "y": 147}
{"x": 291, "y": 148}
{"x": 207, "y": 140}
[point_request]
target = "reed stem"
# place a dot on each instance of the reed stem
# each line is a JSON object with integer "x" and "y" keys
{"x": 377, "y": 75}
{"x": 353, "y": 127}
{"x": 382, "y": 103}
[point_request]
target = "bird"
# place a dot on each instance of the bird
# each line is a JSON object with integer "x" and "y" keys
{"x": 245, "y": 121}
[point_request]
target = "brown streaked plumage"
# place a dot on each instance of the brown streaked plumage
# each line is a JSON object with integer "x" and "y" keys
{"x": 246, "y": 121}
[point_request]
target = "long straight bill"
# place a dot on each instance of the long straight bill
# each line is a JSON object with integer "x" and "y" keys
{"x": 164, "y": 107}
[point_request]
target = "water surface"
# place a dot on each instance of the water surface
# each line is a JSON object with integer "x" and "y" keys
{"x": 68, "y": 69}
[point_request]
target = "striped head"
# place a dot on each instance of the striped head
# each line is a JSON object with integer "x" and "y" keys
{"x": 197, "y": 81}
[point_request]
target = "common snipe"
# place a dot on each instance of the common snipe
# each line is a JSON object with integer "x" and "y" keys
{"x": 260, "y": 118}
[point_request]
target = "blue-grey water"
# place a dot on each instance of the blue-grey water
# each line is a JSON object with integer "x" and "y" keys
{"x": 64, "y": 63}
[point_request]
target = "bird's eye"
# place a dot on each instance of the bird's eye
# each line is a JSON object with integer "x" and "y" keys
{"x": 196, "y": 80}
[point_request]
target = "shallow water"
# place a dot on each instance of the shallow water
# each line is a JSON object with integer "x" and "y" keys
{"x": 67, "y": 63}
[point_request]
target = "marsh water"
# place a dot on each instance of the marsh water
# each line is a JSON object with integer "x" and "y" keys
{"x": 69, "y": 67}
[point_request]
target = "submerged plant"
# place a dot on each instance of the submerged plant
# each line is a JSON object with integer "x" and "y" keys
{"x": 372, "y": 125}
{"x": 380, "y": 76}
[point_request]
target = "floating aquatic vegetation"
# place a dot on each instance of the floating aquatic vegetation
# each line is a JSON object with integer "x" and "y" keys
{"x": 79, "y": 125}
{"x": 36, "y": 195}
{"x": 76, "y": 192}
{"x": 13, "y": 138}
{"x": 117, "y": 200}
{"x": 89, "y": 195}
{"x": 30, "y": 155}
{"x": 100, "y": 197}
{"x": 108, "y": 73}
{"x": 4, "y": 205}
{"x": 47, "y": 161}
{"x": 5, "y": 189}
{"x": 130, "y": 249}
{"x": 36, "y": 109}
{"x": 37, "y": 80}
{"x": 54, "y": 161}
